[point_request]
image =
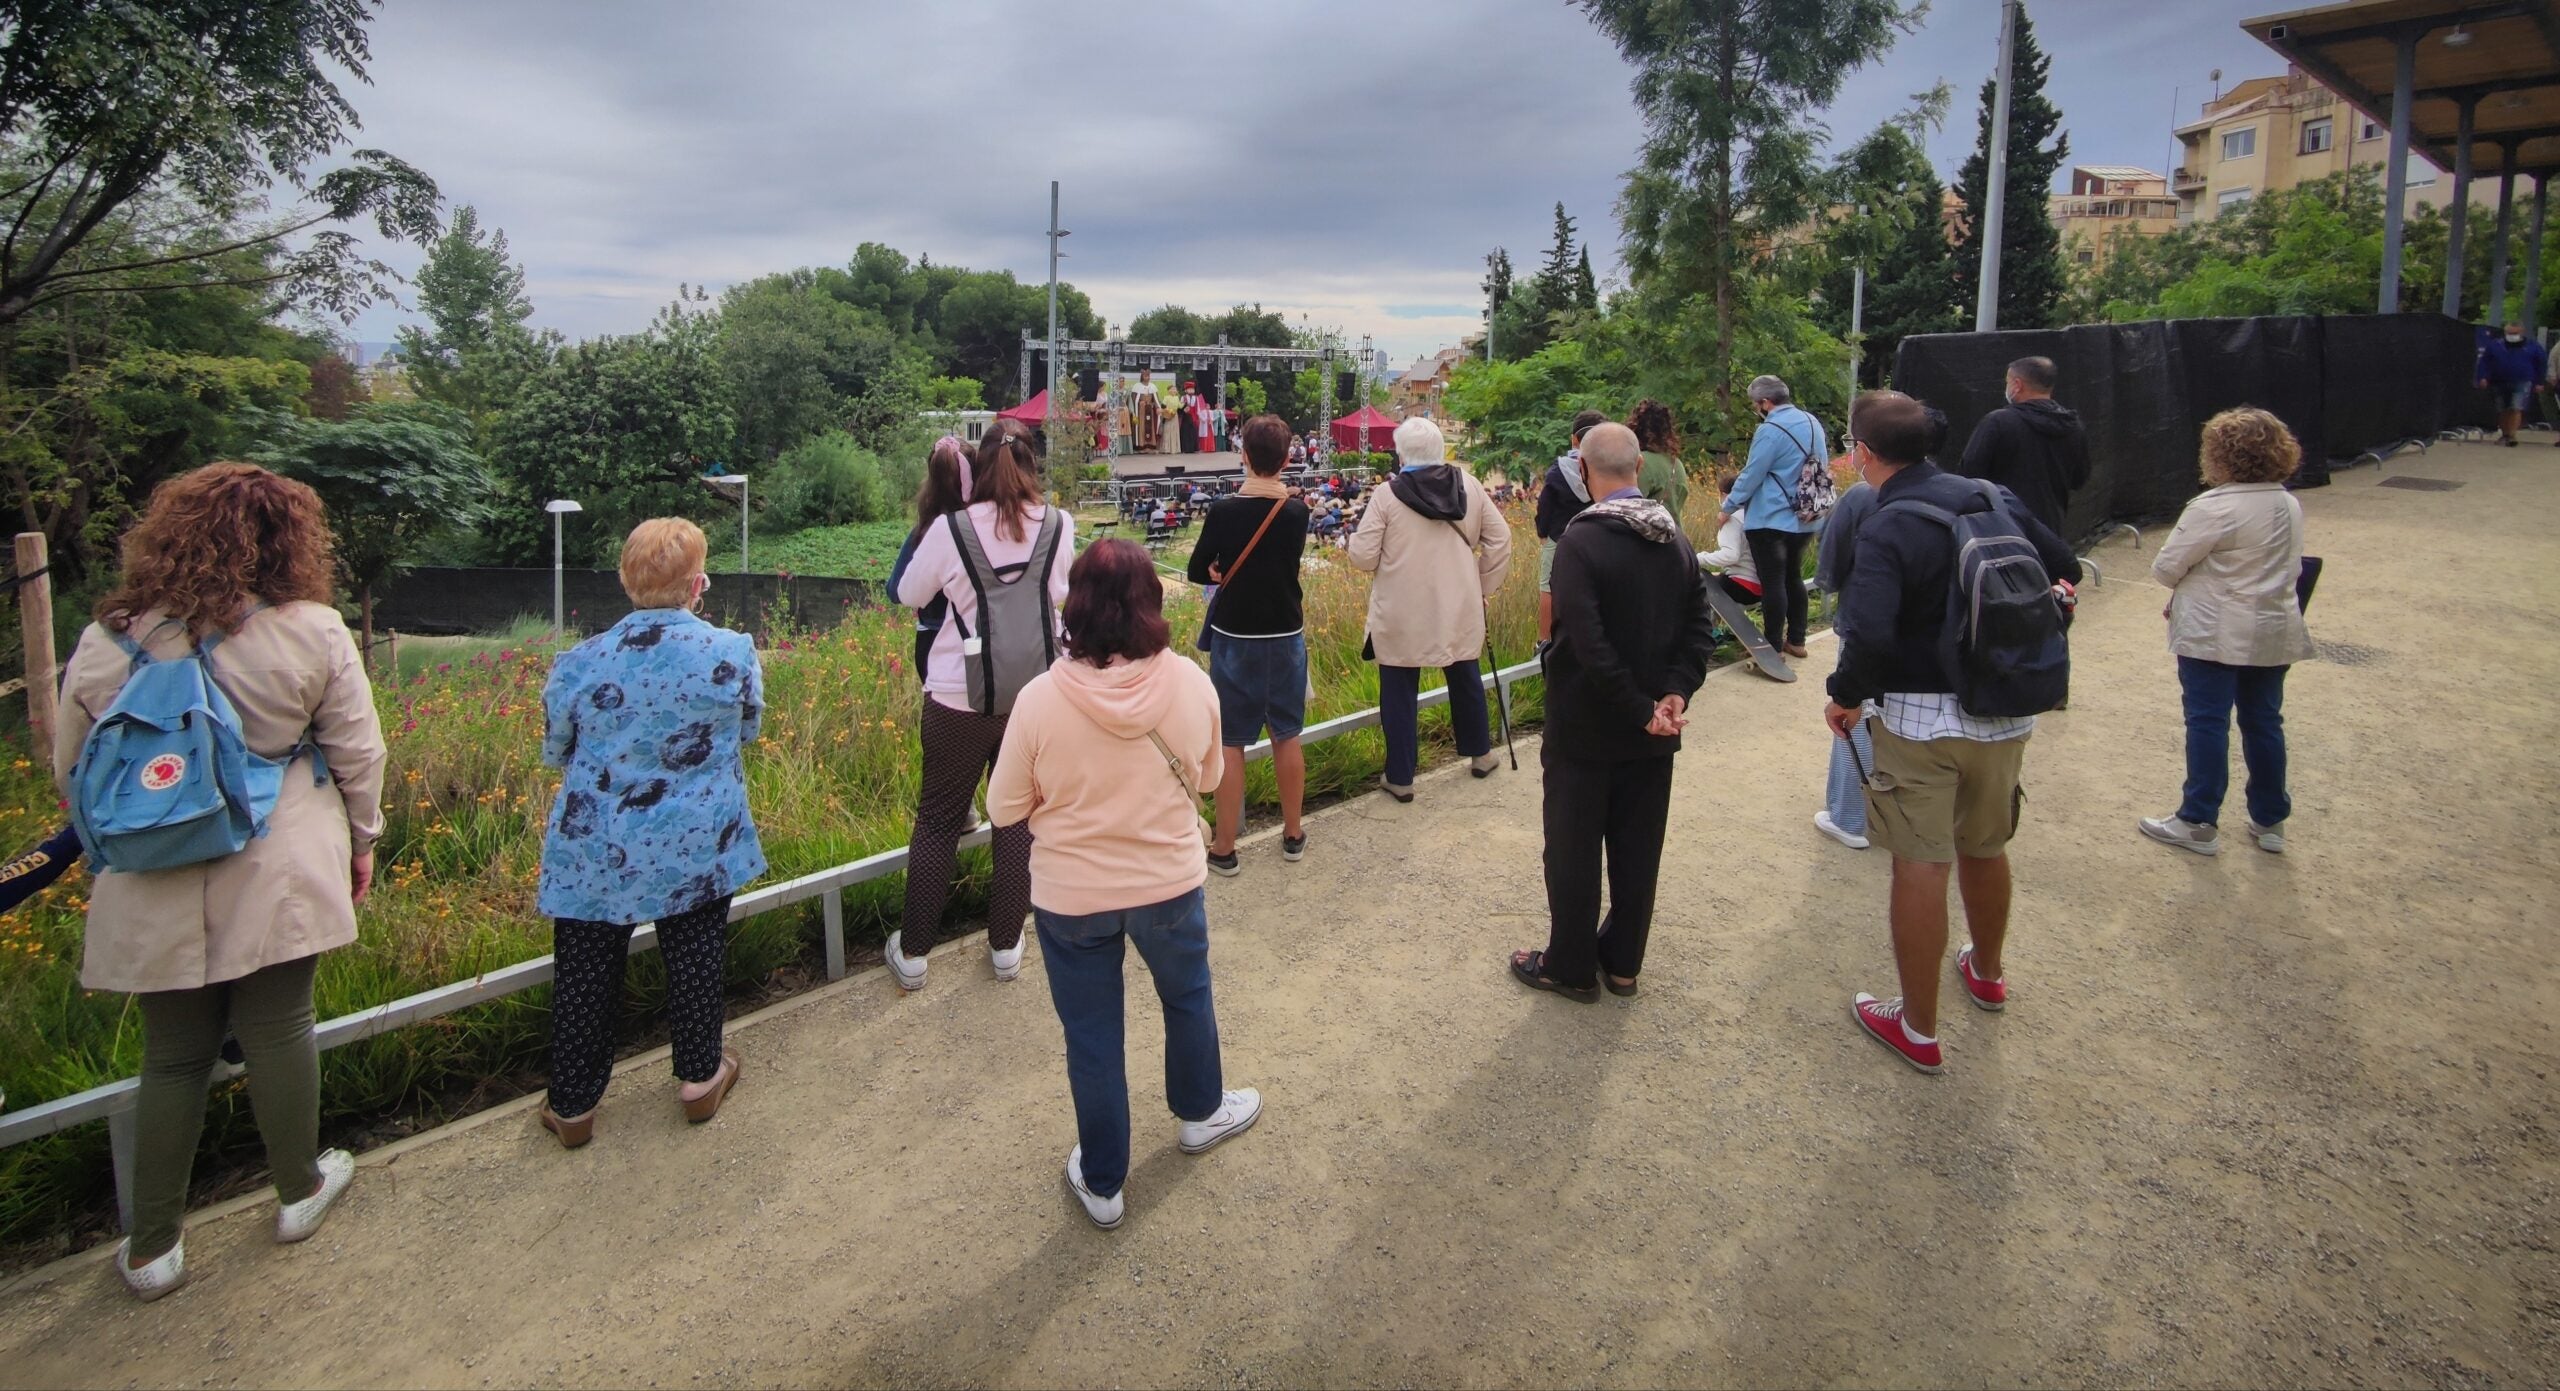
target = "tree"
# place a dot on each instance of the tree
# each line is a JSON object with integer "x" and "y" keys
{"x": 205, "y": 103}
{"x": 2032, "y": 275}
{"x": 474, "y": 350}
{"x": 392, "y": 477}
{"x": 1586, "y": 289}
{"x": 1171, "y": 324}
{"x": 799, "y": 361}
{"x": 336, "y": 388}
{"x": 1900, "y": 238}
{"x": 1497, "y": 280}
{"x": 1726, "y": 88}
{"x": 1556, "y": 285}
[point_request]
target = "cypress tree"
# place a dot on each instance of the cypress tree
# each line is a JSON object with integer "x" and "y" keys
{"x": 2032, "y": 279}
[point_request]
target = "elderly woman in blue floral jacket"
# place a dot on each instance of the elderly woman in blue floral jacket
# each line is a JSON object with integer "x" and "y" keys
{"x": 650, "y": 719}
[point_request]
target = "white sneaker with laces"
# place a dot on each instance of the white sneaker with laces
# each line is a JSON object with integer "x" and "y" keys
{"x": 1237, "y": 1111}
{"x": 2186, "y": 835}
{"x": 1008, "y": 963}
{"x": 907, "y": 970}
{"x": 297, "y": 1221}
{"x": 1105, "y": 1212}
{"x": 1822, "y": 822}
{"x": 154, "y": 1278}
{"x": 2269, "y": 838}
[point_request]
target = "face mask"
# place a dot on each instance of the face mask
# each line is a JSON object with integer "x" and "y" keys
{"x": 2009, "y": 394}
{"x": 2515, "y": 337}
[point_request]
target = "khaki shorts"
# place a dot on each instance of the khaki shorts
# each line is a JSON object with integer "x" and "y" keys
{"x": 1546, "y": 567}
{"x": 1941, "y": 798}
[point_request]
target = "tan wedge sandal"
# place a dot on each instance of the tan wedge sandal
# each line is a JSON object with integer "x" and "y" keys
{"x": 572, "y": 1132}
{"x": 707, "y": 1105}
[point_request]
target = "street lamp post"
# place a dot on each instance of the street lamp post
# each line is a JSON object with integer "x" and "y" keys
{"x": 559, "y": 507}
{"x": 741, "y": 480}
{"x": 1055, "y": 232}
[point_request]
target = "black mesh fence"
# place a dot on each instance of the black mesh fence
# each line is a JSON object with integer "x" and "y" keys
{"x": 2344, "y": 384}
{"x": 439, "y": 600}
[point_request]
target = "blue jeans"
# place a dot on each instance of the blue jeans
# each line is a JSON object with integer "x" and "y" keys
{"x": 1845, "y": 795}
{"x": 2212, "y": 690}
{"x": 1261, "y": 683}
{"x": 1399, "y": 687}
{"x": 1084, "y": 953}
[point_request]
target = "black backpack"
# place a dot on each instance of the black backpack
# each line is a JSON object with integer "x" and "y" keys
{"x": 2002, "y": 644}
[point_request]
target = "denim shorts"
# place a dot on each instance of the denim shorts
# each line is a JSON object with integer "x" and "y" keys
{"x": 2513, "y": 396}
{"x": 1260, "y": 681}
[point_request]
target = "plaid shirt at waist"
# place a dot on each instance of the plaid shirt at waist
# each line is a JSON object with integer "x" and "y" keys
{"x": 1937, "y": 716}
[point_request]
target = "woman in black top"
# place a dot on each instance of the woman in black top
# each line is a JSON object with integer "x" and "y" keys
{"x": 1249, "y": 548}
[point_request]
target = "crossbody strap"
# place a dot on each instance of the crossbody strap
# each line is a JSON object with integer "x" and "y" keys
{"x": 1173, "y": 765}
{"x": 1219, "y": 576}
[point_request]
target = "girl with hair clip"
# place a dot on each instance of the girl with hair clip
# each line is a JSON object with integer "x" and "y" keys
{"x": 945, "y": 490}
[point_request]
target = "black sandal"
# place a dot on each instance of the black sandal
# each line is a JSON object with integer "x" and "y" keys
{"x": 1626, "y": 991}
{"x": 1528, "y": 967}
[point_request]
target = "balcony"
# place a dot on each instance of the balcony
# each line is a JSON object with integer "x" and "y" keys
{"x": 2186, "y": 181}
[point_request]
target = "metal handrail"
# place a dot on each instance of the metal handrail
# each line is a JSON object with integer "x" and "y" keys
{"x": 113, "y": 1102}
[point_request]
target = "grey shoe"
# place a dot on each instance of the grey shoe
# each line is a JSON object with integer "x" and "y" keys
{"x": 1402, "y": 792}
{"x": 2269, "y": 838}
{"x": 2186, "y": 835}
{"x": 1482, "y": 765}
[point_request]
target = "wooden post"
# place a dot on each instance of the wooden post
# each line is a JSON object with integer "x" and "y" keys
{"x": 35, "y": 627}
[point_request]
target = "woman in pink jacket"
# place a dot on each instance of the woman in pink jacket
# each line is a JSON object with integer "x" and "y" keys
{"x": 1104, "y": 764}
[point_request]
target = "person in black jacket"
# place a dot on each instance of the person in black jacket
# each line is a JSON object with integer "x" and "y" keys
{"x": 1561, "y": 498}
{"x": 2035, "y": 446}
{"x": 1250, "y": 547}
{"x": 1943, "y": 792}
{"x": 1632, "y": 640}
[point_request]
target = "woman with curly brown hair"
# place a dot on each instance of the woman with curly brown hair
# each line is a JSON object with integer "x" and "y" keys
{"x": 1664, "y": 479}
{"x": 2233, "y": 565}
{"x": 234, "y": 561}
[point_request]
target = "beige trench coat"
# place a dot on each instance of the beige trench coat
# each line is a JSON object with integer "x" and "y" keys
{"x": 288, "y": 671}
{"x": 2232, "y": 562}
{"x": 1426, "y": 608}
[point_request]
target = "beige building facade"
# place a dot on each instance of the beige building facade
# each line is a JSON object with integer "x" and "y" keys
{"x": 2271, "y": 133}
{"x": 2108, "y": 201}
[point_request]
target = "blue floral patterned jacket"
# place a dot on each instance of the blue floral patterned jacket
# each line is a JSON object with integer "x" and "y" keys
{"x": 650, "y": 718}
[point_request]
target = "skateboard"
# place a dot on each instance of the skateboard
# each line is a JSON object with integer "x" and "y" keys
{"x": 1747, "y": 632}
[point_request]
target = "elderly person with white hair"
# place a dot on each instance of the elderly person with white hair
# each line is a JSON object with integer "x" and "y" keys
{"x": 1439, "y": 549}
{"x": 1765, "y": 496}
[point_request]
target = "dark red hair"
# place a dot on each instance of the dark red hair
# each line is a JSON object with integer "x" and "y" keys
{"x": 1115, "y": 605}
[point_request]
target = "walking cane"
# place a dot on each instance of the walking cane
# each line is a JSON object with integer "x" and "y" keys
{"x": 1501, "y": 698}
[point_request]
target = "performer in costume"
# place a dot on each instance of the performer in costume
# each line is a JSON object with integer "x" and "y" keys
{"x": 1149, "y": 413}
{"x": 1189, "y": 423}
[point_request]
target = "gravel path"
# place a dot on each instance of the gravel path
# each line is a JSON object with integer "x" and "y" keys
{"x": 2249, "y": 1120}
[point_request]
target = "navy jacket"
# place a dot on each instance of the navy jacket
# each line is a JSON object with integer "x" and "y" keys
{"x": 2513, "y": 364}
{"x": 1557, "y": 503}
{"x": 1896, "y": 603}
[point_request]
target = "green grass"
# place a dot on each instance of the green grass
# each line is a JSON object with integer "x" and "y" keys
{"x": 859, "y": 551}
{"x": 420, "y": 653}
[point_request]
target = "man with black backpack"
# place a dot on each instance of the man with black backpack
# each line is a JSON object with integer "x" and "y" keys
{"x": 1955, "y": 631}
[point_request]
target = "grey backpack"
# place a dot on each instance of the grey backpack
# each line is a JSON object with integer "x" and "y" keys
{"x": 1013, "y": 635}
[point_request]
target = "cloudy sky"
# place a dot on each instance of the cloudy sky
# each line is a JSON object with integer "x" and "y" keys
{"x": 1347, "y": 160}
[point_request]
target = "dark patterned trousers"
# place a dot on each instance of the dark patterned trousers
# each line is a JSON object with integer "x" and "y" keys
{"x": 586, "y": 998}
{"x": 959, "y": 749}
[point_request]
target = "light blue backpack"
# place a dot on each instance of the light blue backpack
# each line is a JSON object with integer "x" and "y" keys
{"x": 164, "y": 778}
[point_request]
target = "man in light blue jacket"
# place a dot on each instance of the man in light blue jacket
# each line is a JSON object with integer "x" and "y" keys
{"x": 1765, "y": 496}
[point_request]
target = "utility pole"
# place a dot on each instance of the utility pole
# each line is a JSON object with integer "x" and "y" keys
{"x": 1994, "y": 211}
{"x": 1054, "y": 234}
{"x": 1857, "y": 316}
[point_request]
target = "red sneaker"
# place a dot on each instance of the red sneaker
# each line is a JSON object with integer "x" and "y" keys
{"x": 1882, "y": 1019}
{"x": 1992, "y": 995}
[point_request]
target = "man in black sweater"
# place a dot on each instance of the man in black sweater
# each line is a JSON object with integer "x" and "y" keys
{"x": 1943, "y": 793}
{"x": 1632, "y": 638}
{"x": 2035, "y": 446}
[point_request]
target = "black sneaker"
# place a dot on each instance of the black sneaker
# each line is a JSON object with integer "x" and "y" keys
{"x": 1293, "y": 848}
{"x": 1226, "y": 865}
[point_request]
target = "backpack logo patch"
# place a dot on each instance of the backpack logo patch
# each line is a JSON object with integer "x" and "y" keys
{"x": 163, "y": 773}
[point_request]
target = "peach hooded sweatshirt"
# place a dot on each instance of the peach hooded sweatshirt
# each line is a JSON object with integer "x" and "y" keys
{"x": 1110, "y": 827}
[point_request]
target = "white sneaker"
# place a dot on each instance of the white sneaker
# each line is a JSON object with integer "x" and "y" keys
{"x": 1008, "y": 964}
{"x": 2269, "y": 838}
{"x": 155, "y": 1279}
{"x": 2186, "y": 835}
{"x": 908, "y": 971}
{"x": 1105, "y": 1212}
{"x": 1237, "y": 1112}
{"x": 1822, "y": 822}
{"x": 297, "y": 1221}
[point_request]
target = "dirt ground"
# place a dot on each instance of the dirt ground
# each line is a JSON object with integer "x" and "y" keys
{"x": 2248, "y": 1120}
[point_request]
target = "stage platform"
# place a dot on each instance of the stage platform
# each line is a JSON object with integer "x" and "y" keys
{"x": 1144, "y": 466}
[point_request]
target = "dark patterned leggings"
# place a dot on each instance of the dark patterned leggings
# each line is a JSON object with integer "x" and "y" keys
{"x": 960, "y": 748}
{"x": 586, "y": 998}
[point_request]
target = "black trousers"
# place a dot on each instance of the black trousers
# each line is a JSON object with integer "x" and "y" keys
{"x": 586, "y": 996}
{"x": 1596, "y": 809}
{"x": 960, "y": 747}
{"x": 1779, "y": 557}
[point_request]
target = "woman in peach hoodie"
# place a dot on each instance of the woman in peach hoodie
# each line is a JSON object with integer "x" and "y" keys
{"x": 1106, "y": 757}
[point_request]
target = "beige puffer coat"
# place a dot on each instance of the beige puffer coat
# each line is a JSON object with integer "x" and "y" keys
{"x": 1427, "y": 607}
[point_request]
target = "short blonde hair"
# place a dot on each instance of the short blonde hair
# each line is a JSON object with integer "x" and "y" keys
{"x": 2247, "y": 445}
{"x": 1418, "y": 441}
{"x": 660, "y": 561}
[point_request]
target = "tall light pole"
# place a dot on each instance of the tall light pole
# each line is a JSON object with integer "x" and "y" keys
{"x": 559, "y": 507}
{"x": 1986, "y": 307}
{"x": 740, "y": 480}
{"x": 1055, "y": 232}
{"x": 1857, "y": 309}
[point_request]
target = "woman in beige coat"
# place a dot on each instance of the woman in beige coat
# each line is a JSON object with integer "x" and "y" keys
{"x": 2234, "y": 565}
{"x": 235, "y": 553}
{"x": 1439, "y": 548}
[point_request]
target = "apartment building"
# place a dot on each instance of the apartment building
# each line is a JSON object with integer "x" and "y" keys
{"x": 2271, "y": 133}
{"x": 2108, "y": 201}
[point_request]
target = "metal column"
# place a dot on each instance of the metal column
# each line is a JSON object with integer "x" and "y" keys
{"x": 1986, "y": 305}
{"x": 1053, "y": 299}
{"x": 2395, "y": 179}
{"x": 2532, "y": 312}
{"x": 1222, "y": 375}
{"x": 2494, "y": 312}
{"x": 2458, "y": 217}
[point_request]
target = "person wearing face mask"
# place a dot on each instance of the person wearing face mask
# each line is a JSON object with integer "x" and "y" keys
{"x": 2035, "y": 446}
{"x": 2513, "y": 368}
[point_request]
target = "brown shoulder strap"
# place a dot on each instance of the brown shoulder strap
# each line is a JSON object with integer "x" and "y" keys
{"x": 1221, "y": 575}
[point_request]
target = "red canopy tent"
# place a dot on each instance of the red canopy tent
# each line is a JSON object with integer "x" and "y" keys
{"x": 1035, "y": 413}
{"x": 1369, "y": 429}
